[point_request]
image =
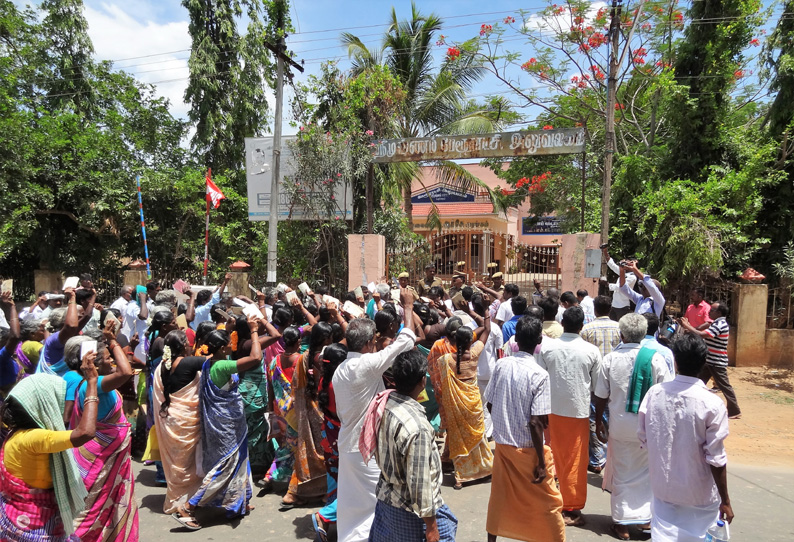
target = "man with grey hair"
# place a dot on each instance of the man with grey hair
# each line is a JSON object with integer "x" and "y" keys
{"x": 356, "y": 381}
{"x": 125, "y": 295}
{"x": 622, "y": 381}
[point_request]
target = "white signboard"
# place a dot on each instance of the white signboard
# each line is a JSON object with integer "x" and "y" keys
{"x": 259, "y": 176}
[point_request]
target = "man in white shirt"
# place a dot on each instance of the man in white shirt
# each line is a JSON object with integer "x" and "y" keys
{"x": 136, "y": 319}
{"x": 572, "y": 364}
{"x": 125, "y": 295}
{"x": 651, "y": 342}
{"x": 505, "y": 311}
{"x": 626, "y": 474}
{"x": 621, "y": 304}
{"x": 683, "y": 425}
{"x": 356, "y": 381}
{"x": 35, "y": 311}
{"x": 586, "y": 302}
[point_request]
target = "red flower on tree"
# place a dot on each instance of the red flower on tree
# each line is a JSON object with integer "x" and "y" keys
{"x": 548, "y": 127}
{"x": 510, "y": 20}
{"x": 755, "y": 42}
{"x": 453, "y": 53}
{"x": 486, "y": 29}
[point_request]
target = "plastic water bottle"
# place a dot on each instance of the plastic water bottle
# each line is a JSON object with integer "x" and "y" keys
{"x": 718, "y": 532}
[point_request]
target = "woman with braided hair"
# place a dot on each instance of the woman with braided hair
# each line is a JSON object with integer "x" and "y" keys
{"x": 463, "y": 409}
{"x": 308, "y": 473}
{"x": 176, "y": 418}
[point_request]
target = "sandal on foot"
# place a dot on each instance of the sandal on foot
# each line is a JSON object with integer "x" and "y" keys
{"x": 186, "y": 520}
{"x": 318, "y": 527}
{"x": 618, "y": 535}
{"x": 573, "y": 520}
{"x": 284, "y": 506}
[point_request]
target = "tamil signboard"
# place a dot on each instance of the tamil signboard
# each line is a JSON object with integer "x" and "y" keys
{"x": 532, "y": 225}
{"x": 451, "y": 147}
{"x": 259, "y": 176}
{"x": 442, "y": 194}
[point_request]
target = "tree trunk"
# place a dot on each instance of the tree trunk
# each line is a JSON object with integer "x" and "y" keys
{"x": 408, "y": 207}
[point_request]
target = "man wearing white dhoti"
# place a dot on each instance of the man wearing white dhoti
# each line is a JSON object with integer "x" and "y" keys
{"x": 356, "y": 382}
{"x": 683, "y": 426}
{"x": 624, "y": 378}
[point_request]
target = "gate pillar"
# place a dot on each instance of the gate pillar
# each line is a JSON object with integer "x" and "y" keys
{"x": 366, "y": 259}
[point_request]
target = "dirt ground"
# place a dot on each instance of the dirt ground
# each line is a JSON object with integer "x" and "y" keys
{"x": 764, "y": 436}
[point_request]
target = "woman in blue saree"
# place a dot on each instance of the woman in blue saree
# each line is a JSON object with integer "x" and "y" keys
{"x": 224, "y": 433}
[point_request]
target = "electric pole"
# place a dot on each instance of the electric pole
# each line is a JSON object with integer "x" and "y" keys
{"x": 609, "y": 143}
{"x": 280, "y": 52}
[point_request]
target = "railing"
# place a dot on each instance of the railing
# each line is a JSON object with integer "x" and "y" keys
{"x": 478, "y": 255}
{"x": 779, "y": 308}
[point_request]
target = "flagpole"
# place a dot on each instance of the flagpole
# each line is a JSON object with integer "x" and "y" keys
{"x": 143, "y": 228}
{"x": 207, "y": 230}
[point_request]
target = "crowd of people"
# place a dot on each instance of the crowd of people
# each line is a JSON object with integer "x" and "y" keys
{"x": 357, "y": 407}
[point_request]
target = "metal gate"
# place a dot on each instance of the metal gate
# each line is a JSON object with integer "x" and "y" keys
{"x": 478, "y": 255}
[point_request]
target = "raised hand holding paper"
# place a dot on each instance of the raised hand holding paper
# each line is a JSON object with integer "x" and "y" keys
{"x": 7, "y": 286}
{"x": 180, "y": 286}
{"x": 352, "y": 309}
{"x": 71, "y": 282}
{"x": 87, "y": 347}
{"x": 304, "y": 288}
{"x": 252, "y": 310}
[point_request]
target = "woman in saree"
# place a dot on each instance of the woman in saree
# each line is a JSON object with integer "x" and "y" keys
{"x": 202, "y": 330}
{"x": 224, "y": 458}
{"x": 253, "y": 389}
{"x": 177, "y": 420}
{"x": 308, "y": 473}
{"x": 163, "y": 322}
{"x": 41, "y": 491}
{"x": 111, "y": 512}
{"x": 463, "y": 409}
{"x": 325, "y": 520}
{"x": 280, "y": 372}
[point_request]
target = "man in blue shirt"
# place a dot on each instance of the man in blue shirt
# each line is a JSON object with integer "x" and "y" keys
{"x": 519, "y": 303}
{"x": 650, "y": 298}
{"x": 201, "y": 310}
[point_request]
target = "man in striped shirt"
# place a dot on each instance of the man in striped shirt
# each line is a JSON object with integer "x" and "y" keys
{"x": 716, "y": 336}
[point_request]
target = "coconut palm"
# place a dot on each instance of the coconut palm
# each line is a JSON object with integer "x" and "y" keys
{"x": 435, "y": 101}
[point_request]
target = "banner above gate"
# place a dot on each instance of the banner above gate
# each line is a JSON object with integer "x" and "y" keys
{"x": 453, "y": 147}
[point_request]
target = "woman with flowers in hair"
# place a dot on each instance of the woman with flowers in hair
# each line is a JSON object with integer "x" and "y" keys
{"x": 176, "y": 418}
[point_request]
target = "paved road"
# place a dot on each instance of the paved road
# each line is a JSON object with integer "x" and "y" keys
{"x": 763, "y": 501}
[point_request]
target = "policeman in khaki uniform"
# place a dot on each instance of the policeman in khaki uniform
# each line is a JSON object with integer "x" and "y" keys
{"x": 498, "y": 285}
{"x": 430, "y": 280}
{"x": 402, "y": 278}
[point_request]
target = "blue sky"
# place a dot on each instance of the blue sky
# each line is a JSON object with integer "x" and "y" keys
{"x": 149, "y": 38}
{"x": 137, "y": 34}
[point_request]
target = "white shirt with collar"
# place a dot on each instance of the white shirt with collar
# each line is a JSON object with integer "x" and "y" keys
{"x": 120, "y": 305}
{"x": 683, "y": 425}
{"x": 619, "y": 299}
{"x": 33, "y": 312}
{"x": 357, "y": 380}
{"x": 572, "y": 364}
{"x": 654, "y": 303}
{"x": 613, "y": 383}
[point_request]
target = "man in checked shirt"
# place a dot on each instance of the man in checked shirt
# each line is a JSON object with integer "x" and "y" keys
{"x": 409, "y": 507}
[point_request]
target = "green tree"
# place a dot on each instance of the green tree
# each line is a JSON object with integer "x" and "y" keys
{"x": 435, "y": 101}
{"x": 709, "y": 63}
{"x": 229, "y": 76}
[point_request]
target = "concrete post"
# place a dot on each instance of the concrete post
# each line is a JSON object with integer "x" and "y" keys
{"x": 239, "y": 283}
{"x": 135, "y": 274}
{"x": 750, "y": 331}
{"x": 366, "y": 259}
{"x": 45, "y": 280}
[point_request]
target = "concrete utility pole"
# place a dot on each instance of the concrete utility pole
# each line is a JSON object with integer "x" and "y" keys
{"x": 609, "y": 143}
{"x": 280, "y": 52}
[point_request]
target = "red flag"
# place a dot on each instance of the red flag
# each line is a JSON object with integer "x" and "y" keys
{"x": 213, "y": 192}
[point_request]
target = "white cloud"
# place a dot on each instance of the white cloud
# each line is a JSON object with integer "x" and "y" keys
{"x": 117, "y": 35}
{"x": 563, "y": 21}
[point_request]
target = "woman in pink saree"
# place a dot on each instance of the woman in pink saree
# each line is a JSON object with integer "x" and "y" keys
{"x": 111, "y": 512}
